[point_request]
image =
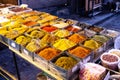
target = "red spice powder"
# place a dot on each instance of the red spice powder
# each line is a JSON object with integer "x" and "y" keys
{"x": 49, "y": 28}
{"x": 70, "y": 28}
{"x": 30, "y": 23}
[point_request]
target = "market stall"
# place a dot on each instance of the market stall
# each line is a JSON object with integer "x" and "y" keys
{"x": 65, "y": 49}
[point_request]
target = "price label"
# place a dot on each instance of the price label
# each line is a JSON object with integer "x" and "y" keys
{"x": 26, "y": 52}
{"x": 13, "y": 45}
{"x": 74, "y": 68}
{"x": 86, "y": 59}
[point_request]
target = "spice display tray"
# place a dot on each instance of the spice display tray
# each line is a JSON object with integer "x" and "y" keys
{"x": 67, "y": 74}
{"x": 27, "y": 52}
{"x": 13, "y": 44}
{"x": 4, "y": 39}
{"x": 41, "y": 61}
{"x": 88, "y": 58}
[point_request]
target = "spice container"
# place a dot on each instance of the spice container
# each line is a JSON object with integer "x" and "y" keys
{"x": 30, "y": 23}
{"x": 96, "y": 46}
{"x": 64, "y": 65}
{"x": 71, "y": 22}
{"x": 83, "y": 25}
{"x": 114, "y": 51}
{"x": 46, "y": 18}
{"x": 59, "y": 24}
{"x": 35, "y": 33}
{"x": 19, "y": 10}
{"x": 82, "y": 52}
{"x": 73, "y": 28}
{"x": 77, "y": 38}
{"x": 62, "y": 33}
{"x": 111, "y": 32}
{"x": 63, "y": 44}
{"x": 22, "y": 40}
{"x": 105, "y": 40}
{"x": 110, "y": 61}
{"x": 48, "y": 53}
{"x": 92, "y": 30}
{"x": 49, "y": 28}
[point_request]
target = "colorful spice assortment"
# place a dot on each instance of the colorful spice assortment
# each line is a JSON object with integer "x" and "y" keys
{"x": 92, "y": 44}
{"x": 110, "y": 61}
{"x": 76, "y": 38}
{"x": 100, "y": 38}
{"x": 109, "y": 58}
{"x": 37, "y": 34}
{"x": 30, "y": 23}
{"x": 73, "y": 29}
{"x": 49, "y": 28}
{"x": 80, "y": 52}
{"x": 66, "y": 62}
{"x": 63, "y": 44}
{"x": 62, "y": 33}
{"x": 48, "y": 53}
{"x": 23, "y": 40}
{"x": 96, "y": 29}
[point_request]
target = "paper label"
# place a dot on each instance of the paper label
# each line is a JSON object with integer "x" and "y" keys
{"x": 74, "y": 69}
{"x": 13, "y": 45}
{"x": 26, "y": 52}
{"x": 86, "y": 59}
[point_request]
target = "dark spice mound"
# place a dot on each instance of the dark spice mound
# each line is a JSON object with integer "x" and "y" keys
{"x": 110, "y": 58}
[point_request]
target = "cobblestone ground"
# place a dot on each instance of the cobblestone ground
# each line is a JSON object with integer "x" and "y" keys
{"x": 113, "y": 22}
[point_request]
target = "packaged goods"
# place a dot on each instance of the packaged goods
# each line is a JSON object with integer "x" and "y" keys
{"x": 66, "y": 62}
{"x": 23, "y": 40}
{"x": 80, "y": 52}
{"x": 48, "y": 53}
{"x": 76, "y": 38}
{"x": 63, "y": 44}
{"x": 92, "y": 71}
{"x": 110, "y": 60}
{"x": 100, "y": 38}
{"x": 92, "y": 44}
{"x": 62, "y": 33}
